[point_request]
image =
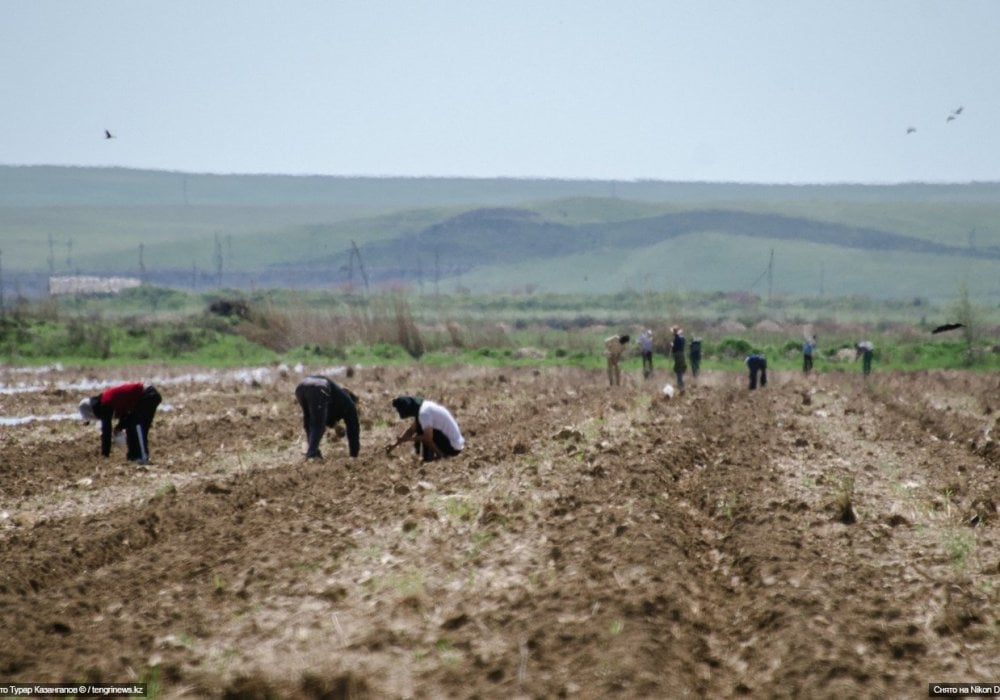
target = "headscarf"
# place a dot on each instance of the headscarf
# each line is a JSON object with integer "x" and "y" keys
{"x": 407, "y": 406}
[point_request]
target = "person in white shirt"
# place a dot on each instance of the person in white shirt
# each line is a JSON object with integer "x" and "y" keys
{"x": 434, "y": 431}
{"x": 646, "y": 344}
{"x": 865, "y": 350}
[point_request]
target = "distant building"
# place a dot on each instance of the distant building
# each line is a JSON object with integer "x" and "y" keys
{"x": 90, "y": 285}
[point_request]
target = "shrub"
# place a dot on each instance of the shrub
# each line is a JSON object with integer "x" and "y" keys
{"x": 734, "y": 347}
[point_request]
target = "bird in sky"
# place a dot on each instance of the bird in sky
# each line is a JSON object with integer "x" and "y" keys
{"x": 108, "y": 134}
{"x": 958, "y": 111}
{"x": 951, "y": 118}
{"x": 947, "y": 327}
{"x": 911, "y": 130}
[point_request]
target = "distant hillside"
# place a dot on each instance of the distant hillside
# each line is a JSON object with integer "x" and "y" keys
{"x": 207, "y": 231}
{"x": 48, "y": 186}
{"x": 486, "y": 239}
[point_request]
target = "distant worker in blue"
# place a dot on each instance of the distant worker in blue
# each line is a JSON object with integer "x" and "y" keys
{"x": 677, "y": 350}
{"x": 646, "y": 346}
{"x": 808, "y": 348}
{"x": 757, "y": 364}
{"x": 323, "y": 404}
{"x": 694, "y": 355}
{"x": 865, "y": 350}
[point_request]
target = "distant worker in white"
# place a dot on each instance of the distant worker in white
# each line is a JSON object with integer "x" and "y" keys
{"x": 434, "y": 432}
{"x": 864, "y": 350}
{"x": 614, "y": 348}
{"x": 646, "y": 345}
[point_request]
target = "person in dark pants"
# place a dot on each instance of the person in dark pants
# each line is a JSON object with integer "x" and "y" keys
{"x": 134, "y": 405}
{"x": 808, "y": 348}
{"x": 677, "y": 350}
{"x": 757, "y": 364}
{"x": 694, "y": 355}
{"x": 646, "y": 345}
{"x": 865, "y": 350}
{"x": 324, "y": 403}
{"x": 434, "y": 431}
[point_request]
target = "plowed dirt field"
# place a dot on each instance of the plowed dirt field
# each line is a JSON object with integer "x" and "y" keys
{"x": 820, "y": 537}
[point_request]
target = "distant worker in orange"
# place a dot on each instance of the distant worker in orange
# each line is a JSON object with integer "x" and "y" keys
{"x": 614, "y": 348}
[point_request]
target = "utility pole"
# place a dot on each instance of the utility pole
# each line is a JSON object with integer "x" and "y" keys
{"x": 355, "y": 252}
{"x": 437, "y": 273}
{"x": 142, "y": 265}
{"x": 770, "y": 275}
{"x": 218, "y": 261}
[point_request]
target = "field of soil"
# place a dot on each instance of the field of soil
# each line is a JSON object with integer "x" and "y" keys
{"x": 821, "y": 537}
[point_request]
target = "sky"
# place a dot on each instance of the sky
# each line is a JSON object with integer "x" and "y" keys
{"x": 765, "y": 91}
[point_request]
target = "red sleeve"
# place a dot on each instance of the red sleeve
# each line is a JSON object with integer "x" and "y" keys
{"x": 122, "y": 398}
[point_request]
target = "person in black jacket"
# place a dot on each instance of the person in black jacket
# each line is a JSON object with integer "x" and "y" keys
{"x": 694, "y": 353}
{"x": 324, "y": 403}
{"x": 677, "y": 350}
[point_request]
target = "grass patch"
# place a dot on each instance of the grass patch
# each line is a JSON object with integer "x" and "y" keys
{"x": 844, "y": 502}
{"x": 960, "y": 545}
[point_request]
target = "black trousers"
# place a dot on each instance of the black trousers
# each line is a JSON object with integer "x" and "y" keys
{"x": 758, "y": 368}
{"x": 314, "y": 399}
{"x": 866, "y": 362}
{"x": 138, "y": 423}
{"x": 442, "y": 442}
{"x": 695, "y": 365}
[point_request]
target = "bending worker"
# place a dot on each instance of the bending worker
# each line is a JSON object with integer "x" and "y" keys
{"x": 134, "y": 405}
{"x": 434, "y": 431}
{"x": 324, "y": 403}
{"x": 757, "y": 365}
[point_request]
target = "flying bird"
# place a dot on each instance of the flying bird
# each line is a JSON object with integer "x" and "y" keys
{"x": 947, "y": 327}
{"x": 108, "y": 134}
{"x": 911, "y": 130}
{"x": 958, "y": 111}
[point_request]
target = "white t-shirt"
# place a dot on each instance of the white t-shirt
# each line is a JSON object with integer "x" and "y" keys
{"x": 437, "y": 417}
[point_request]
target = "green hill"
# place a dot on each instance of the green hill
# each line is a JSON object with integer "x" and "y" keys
{"x": 497, "y": 235}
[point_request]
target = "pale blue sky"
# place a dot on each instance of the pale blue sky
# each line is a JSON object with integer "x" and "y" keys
{"x": 751, "y": 91}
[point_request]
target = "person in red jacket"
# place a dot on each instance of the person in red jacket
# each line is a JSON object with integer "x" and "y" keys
{"x": 134, "y": 405}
